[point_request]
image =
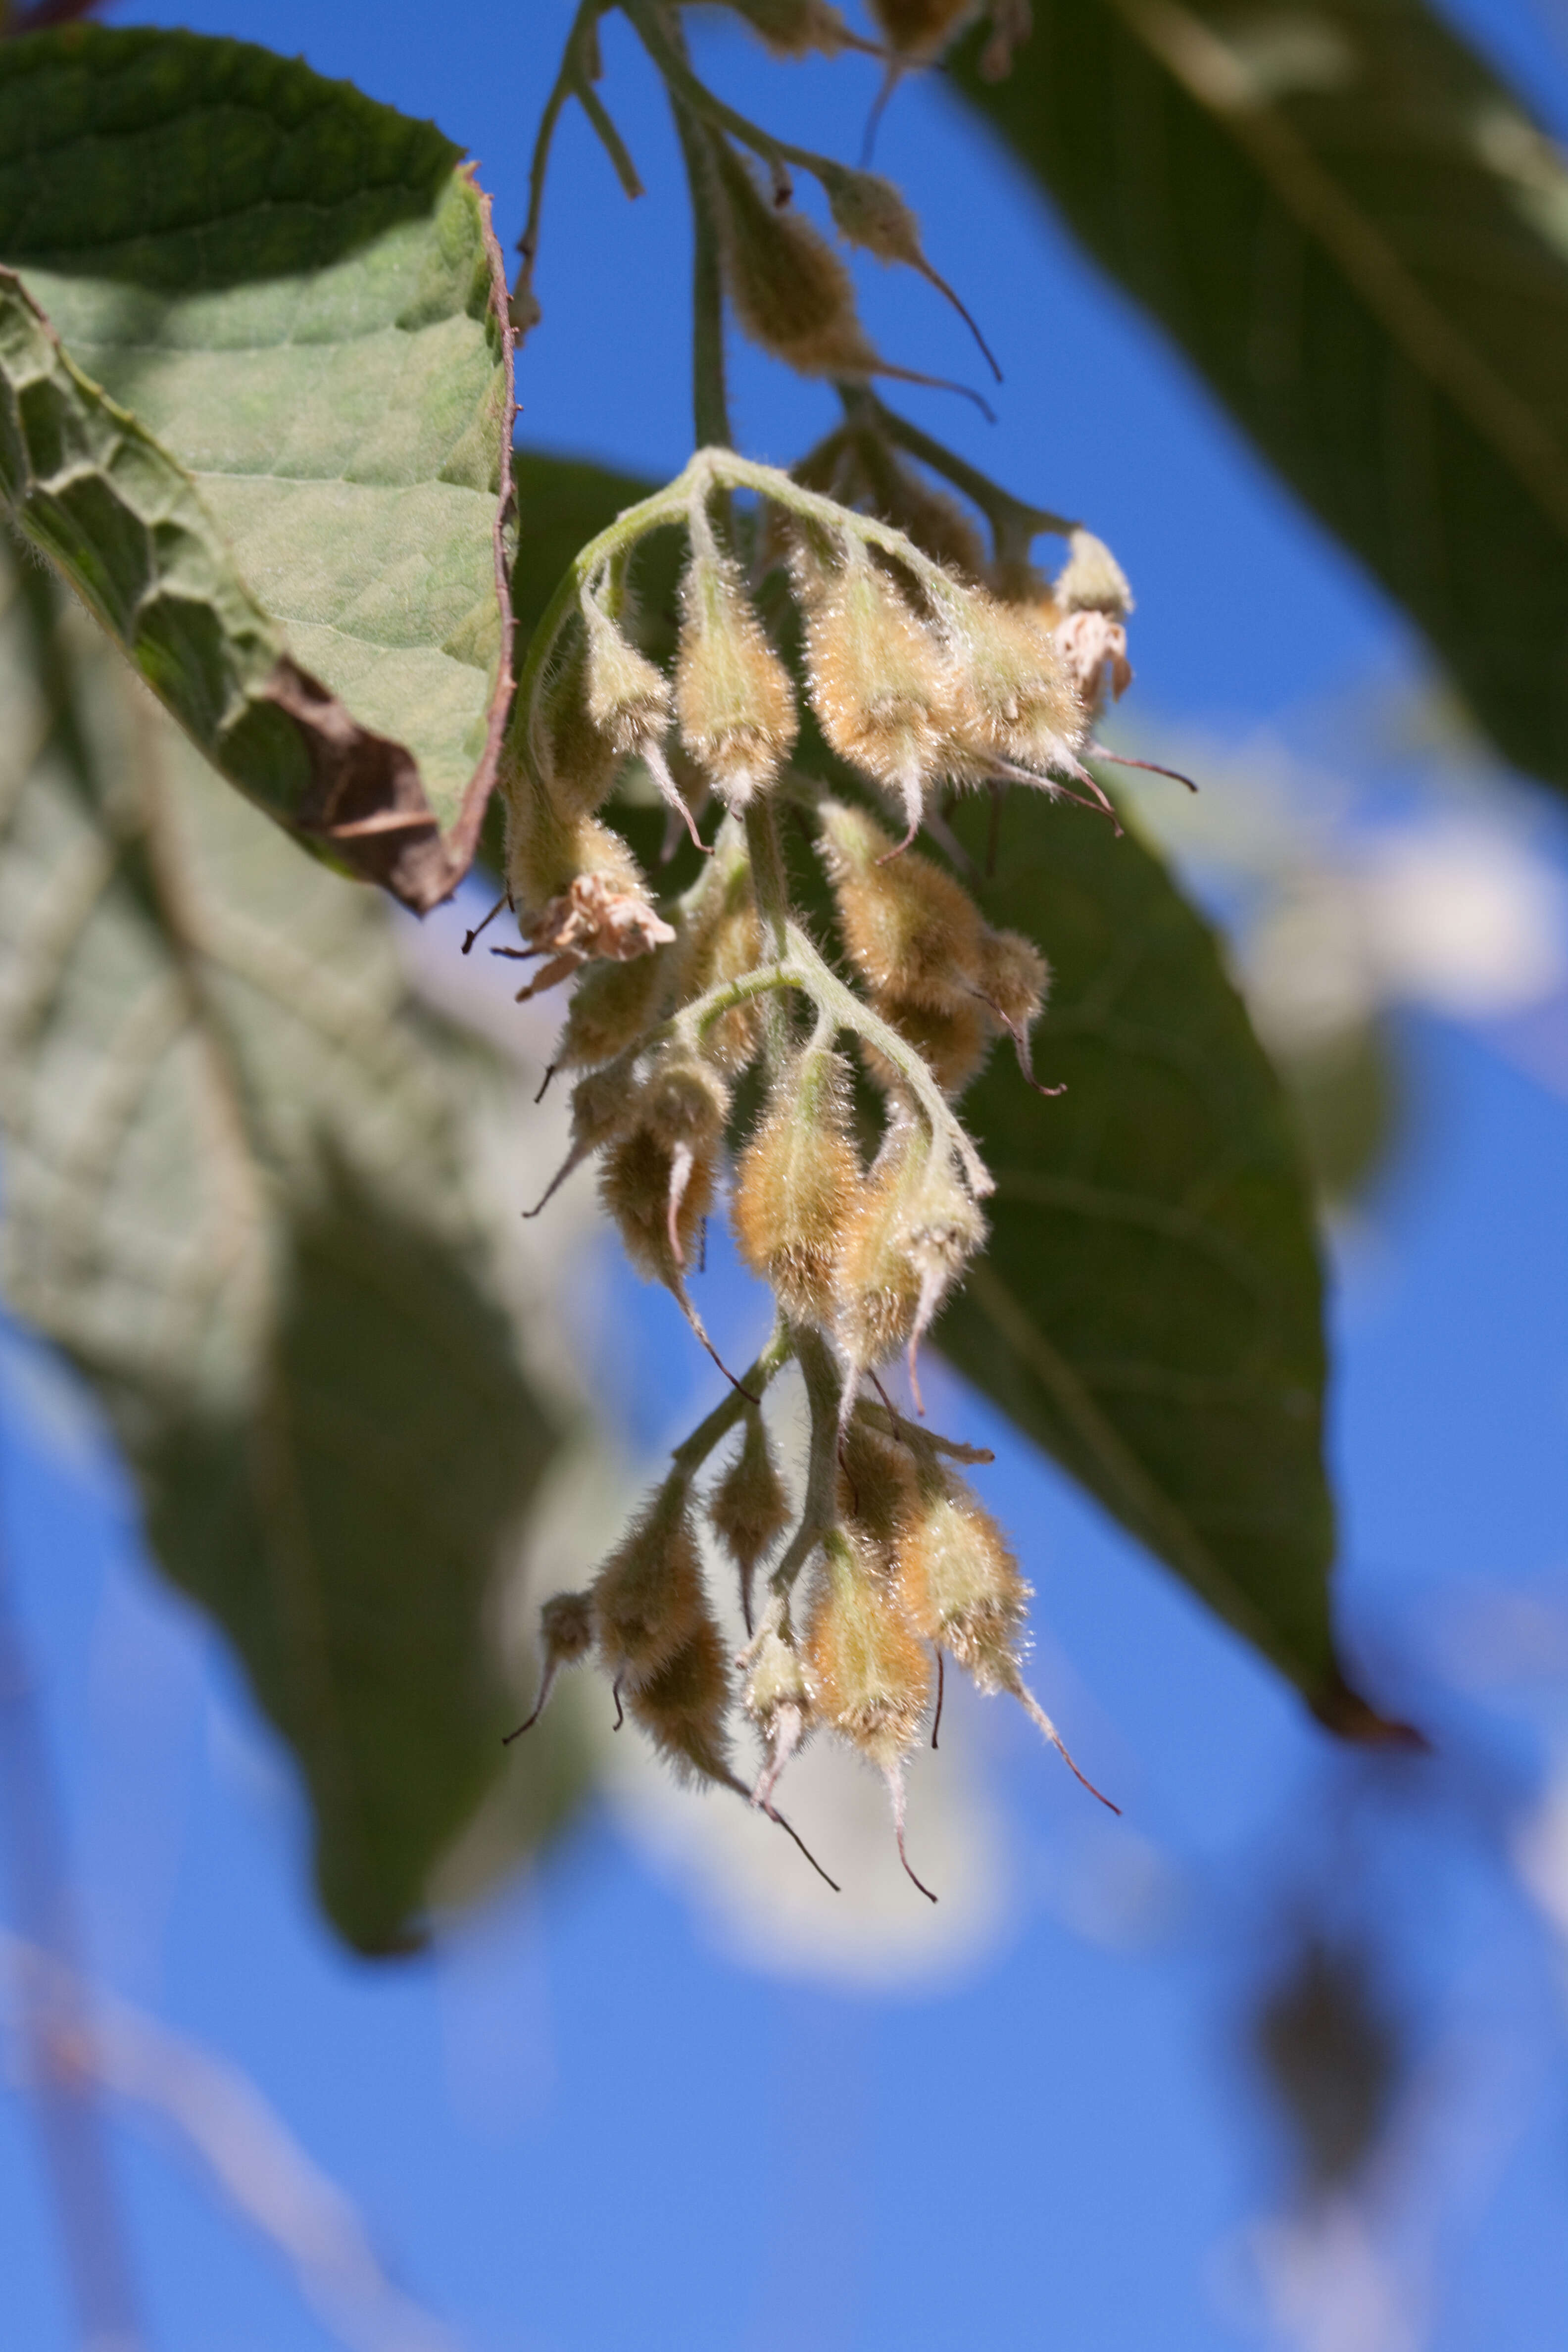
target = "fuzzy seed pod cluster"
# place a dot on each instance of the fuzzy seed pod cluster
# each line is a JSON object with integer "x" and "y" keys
{"x": 712, "y": 1040}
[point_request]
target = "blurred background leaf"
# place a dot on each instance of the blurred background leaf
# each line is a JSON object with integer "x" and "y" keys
{"x": 1358, "y": 235}
{"x": 236, "y": 1197}
{"x": 1150, "y": 1307}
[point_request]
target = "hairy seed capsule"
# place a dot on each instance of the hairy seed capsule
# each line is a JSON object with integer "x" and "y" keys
{"x": 869, "y": 212}
{"x": 876, "y": 1489}
{"x": 913, "y": 1230}
{"x": 877, "y": 677}
{"x": 648, "y": 1600}
{"x": 795, "y": 1184}
{"x": 578, "y": 763}
{"x": 565, "y": 1634}
{"x": 639, "y": 1186}
{"x": 1013, "y": 698}
{"x": 779, "y": 1704}
{"x": 1014, "y": 978}
{"x": 683, "y": 1704}
{"x": 870, "y": 1672}
{"x": 734, "y": 700}
{"x": 683, "y": 1099}
{"x": 547, "y": 849}
{"x": 629, "y": 700}
{"x": 791, "y": 293}
{"x": 958, "y": 1581}
{"x": 912, "y": 932}
{"x": 612, "y": 1005}
{"x": 722, "y": 940}
{"x": 749, "y": 1507}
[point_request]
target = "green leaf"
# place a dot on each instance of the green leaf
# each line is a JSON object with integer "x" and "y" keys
{"x": 235, "y": 1198}
{"x": 1360, "y": 237}
{"x": 255, "y": 402}
{"x": 1150, "y": 1308}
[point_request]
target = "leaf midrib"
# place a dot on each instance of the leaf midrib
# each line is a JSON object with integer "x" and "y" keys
{"x": 1200, "y": 62}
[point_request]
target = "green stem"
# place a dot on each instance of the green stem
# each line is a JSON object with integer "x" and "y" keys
{"x": 828, "y": 993}
{"x": 709, "y": 399}
{"x": 819, "y": 1514}
{"x": 571, "y": 80}
{"x": 694, "y": 1449}
{"x": 685, "y": 87}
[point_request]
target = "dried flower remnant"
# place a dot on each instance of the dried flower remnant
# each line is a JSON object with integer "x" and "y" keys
{"x": 1094, "y": 600}
{"x": 592, "y": 917}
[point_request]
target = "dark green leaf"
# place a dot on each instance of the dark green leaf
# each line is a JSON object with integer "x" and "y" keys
{"x": 254, "y": 403}
{"x": 235, "y": 1197}
{"x": 1360, "y": 237}
{"x": 1150, "y": 1308}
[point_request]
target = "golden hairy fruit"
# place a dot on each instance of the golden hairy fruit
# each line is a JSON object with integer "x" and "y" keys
{"x": 721, "y": 941}
{"x": 870, "y": 1672}
{"x": 796, "y": 1184}
{"x": 612, "y": 1005}
{"x": 918, "y": 30}
{"x": 578, "y": 763}
{"x": 913, "y": 1230}
{"x": 734, "y": 700}
{"x": 683, "y": 1099}
{"x": 876, "y": 676}
{"x": 875, "y": 1488}
{"x": 1014, "y": 978}
{"x": 629, "y": 699}
{"x": 910, "y": 930}
{"x": 958, "y": 1581}
{"x": 648, "y": 1600}
{"x": 683, "y": 1704}
{"x": 1014, "y": 697}
{"x": 790, "y": 290}
{"x": 640, "y": 1187}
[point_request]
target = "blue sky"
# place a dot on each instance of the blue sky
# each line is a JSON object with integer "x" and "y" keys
{"x": 582, "y": 2127}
